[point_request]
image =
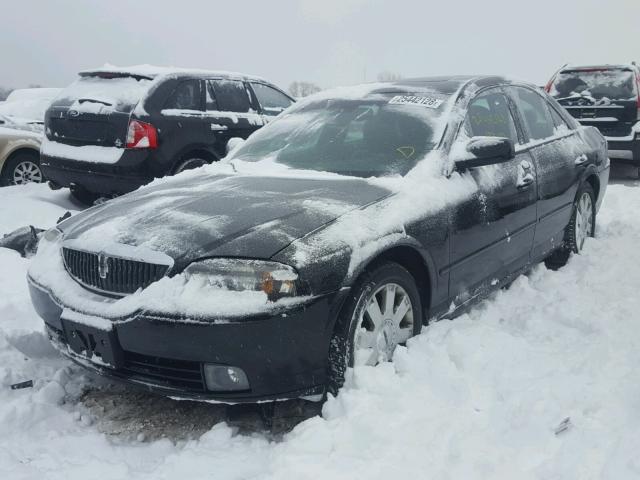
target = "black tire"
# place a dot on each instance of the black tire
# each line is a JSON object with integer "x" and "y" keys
{"x": 571, "y": 243}
{"x": 19, "y": 165}
{"x": 189, "y": 164}
{"x": 83, "y": 196}
{"x": 341, "y": 348}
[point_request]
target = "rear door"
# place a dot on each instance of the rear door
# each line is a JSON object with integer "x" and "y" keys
{"x": 493, "y": 231}
{"x": 182, "y": 122}
{"x": 606, "y": 98}
{"x": 560, "y": 157}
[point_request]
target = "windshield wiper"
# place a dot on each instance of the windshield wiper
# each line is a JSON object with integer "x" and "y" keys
{"x": 93, "y": 100}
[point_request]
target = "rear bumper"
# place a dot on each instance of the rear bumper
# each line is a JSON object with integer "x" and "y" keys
{"x": 284, "y": 355}
{"x": 129, "y": 173}
{"x": 625, "y": 150}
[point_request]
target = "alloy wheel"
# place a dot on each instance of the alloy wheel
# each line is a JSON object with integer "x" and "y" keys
{"x": 26, "y": 172}
{"x": 385, "y": 321}
{"x": 584, "y": 220}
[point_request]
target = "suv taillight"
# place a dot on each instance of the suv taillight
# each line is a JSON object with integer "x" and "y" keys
{"x": 141, "y": 135}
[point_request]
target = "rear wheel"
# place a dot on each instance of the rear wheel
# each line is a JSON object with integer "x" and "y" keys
{"x": 190, "y": 164}
{"x": 21, "y": 169}
{"x": 383, "y": 312}
{"x": 581, "y": 226}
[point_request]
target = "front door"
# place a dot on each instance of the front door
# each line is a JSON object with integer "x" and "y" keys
{"x": 492, "y": 232}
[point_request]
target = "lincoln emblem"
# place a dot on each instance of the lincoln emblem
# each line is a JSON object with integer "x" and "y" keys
{"x": 103, "y": 265}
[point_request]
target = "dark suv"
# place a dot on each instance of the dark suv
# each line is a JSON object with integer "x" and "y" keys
{"x": 116, "y": 129}
{"x": 606, "y": 97}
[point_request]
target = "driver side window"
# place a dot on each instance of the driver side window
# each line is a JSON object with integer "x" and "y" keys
{"x": 488, "y": 115}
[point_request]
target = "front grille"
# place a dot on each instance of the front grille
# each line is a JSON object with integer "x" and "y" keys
{"x": 118, "y": 276}
{"x": 179, "y": 374}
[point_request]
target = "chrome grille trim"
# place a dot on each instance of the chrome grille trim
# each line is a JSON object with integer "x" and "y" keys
{"x": 123, "y": 275}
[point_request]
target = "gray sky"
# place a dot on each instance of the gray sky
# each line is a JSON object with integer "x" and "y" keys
{"x": 329, "y": 42}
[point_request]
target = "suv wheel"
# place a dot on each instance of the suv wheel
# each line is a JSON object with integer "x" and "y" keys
{"x": 384, "y": 311}
{"x": 190, "y": 164}
{"x": 21, "y": 169}
{"x": 581, "y": 226}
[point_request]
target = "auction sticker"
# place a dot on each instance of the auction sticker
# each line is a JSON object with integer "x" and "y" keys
{"x": 428, "y": 102}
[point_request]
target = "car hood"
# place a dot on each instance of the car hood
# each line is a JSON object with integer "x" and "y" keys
{"x": 222, "y": 215}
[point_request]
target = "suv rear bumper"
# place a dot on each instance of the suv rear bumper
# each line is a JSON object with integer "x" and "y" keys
{"x": 126, "y": 175}
{"x": 625, "y": 149}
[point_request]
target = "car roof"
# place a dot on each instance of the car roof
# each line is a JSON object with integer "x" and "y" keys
{"x": 447, "y": 85}
{"x": 152, "y": 72}
{"x": 577, "y": 68}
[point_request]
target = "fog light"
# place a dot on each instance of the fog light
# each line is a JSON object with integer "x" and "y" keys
{"x": 221, "y": 378}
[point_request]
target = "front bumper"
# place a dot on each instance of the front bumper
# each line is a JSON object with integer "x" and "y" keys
{"x": 283, "y": 355}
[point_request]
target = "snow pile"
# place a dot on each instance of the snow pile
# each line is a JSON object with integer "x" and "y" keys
{"x": 28, "y": 103}
{"x": 480, "y": 397}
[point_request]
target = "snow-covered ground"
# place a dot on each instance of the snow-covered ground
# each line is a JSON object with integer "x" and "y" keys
{"x": 479, "y": 397}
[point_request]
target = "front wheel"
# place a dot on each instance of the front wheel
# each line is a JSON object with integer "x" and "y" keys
{"x": 383, "y": 312}
{"x": 581, "y": 226}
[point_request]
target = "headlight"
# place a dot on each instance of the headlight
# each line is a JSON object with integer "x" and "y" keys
{"x": 275, "y": 279}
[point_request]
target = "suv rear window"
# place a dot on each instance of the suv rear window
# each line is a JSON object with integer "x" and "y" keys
{"x": 599, "y": 84}
{"x": 120, "y": 93}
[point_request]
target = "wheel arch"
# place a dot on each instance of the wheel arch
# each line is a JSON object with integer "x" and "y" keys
{"x": 194, "y": 152}
{"x": 418, "y": 264}
{"x": 19, "y": 150}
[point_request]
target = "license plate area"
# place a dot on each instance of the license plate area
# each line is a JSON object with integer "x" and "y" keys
{"x": 96, "y": 345}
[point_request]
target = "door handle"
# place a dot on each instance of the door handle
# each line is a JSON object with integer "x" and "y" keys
{"x": 525, "y": 182}
{"x": 581, "y": 160}
{"x": 525, "y": 177}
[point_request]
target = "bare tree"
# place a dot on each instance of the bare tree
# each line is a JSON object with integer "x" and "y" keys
{"x": 302, "y": 89}
{"x": 388, "y": 76}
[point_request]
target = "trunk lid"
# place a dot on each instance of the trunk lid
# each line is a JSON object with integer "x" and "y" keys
{"x": 606, "y": 98}
{"x": 95, "y": 110}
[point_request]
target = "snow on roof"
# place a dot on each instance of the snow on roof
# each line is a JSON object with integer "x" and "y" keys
{"x": 153, "y": 71}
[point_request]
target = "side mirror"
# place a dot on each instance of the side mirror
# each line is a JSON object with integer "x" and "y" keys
{"x": 487, "y": 151}
{"x": 234, "y": 143}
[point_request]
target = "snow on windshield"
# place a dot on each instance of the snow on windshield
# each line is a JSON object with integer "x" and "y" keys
{"x": 94, "y": 94}
{"x": 28, "y": 103}
{"x": 600, "y": 85}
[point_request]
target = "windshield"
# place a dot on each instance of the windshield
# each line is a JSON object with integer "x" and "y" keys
{"x": 384, "y": 135}
{"x": 116, "y": 93}
{"x": 597, "y": 84}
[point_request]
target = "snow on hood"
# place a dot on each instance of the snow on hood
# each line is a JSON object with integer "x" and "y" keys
{"x": 220, "y": 215}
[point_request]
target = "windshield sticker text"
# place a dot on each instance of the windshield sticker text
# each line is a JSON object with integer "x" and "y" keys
{"x": 428, "y": 102}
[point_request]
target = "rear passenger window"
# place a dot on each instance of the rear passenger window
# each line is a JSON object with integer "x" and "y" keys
{"x": 535, "y": 114}
{"x": 186, "y": 96}
{"x": 489, "y": 116}
{"x": 231, "y": 96}
{"x": 271, "y": 100}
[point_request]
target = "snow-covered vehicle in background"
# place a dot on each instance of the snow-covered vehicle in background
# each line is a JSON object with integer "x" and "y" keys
{"x": 606, "y": 97}
{"x": 28, "y": 105}
{"x": 116, "y": 129}
{"x": 327, "y": 239}
{"x": 19, "y": 152}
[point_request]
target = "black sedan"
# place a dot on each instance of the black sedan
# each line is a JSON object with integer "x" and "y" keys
{"x": 325, "y": 241}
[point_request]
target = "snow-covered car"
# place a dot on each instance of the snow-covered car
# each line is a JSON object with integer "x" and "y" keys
{"x": 327, "y": 239}
{"x": 115, "y": 128}
{"x": 28, "y": 105}
{"x": 19, "y": 152}
{"x": 606, "y": 97}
